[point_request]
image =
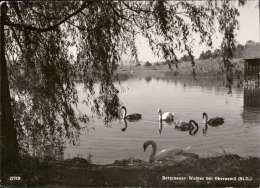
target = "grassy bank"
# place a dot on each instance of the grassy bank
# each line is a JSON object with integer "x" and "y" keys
{"x": 204, "y": 68}
{"x": 80, "y": 172}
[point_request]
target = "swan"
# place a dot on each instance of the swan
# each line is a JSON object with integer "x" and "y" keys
{"x": 167, "y": 116}
{"x": 131, "y": 117}
{"x": 183, "y": 126}
{"x": 167, "y": 154}
{"x": 213, "y": 121}
{"x": 195, "y": 128}
{"x": 191, "y": 126}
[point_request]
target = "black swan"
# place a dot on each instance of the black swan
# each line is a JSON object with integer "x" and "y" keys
{"x": 214, "y": 122}
{"x": 195, "y": 128}
{"x": 131, "y": 117}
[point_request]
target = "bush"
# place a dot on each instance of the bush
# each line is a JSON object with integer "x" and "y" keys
{"x": 147, "y": 64}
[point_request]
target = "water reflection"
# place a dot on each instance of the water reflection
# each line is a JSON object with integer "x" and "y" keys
{"x": 251, "y": 97}
{"x": 161, "y": 126}
{"x": 251, "y": 115}
{"x": 125, "y": 123}
{"x": 148, "y": 79}
{"x": 204, "y": 130}
{"x": 90, "y": 129}
{"x": 205, "y": 82}
{"x": 251, "y": 110}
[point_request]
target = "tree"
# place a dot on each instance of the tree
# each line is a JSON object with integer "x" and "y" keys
{"x": 228, "y": 24}
{"x": 185, "y": 57}
{"x": 8, "y": 132}
{"x": 206, "y": 55}
{"x": 250, "y": 42}
{"x": 38, "y": 72}
{"x": 238, "y": 53}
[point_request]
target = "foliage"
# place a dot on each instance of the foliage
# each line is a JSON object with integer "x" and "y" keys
{"x": 185, "y": 57}
{"x": 206, "y": 55}
{"x": 41, "y": 35}
{"x": 237, "y": 52}
{"x": 147, "y": 64}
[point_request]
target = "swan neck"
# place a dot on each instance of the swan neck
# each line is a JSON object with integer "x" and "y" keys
{"x": 196, "y": 124}
{"x": 124, "y": 114}
{"x": 152, "y": 156}
{"x": 205, "y": 117}
{"x": 160, "y": 116}
{"x": 195, "y": 128}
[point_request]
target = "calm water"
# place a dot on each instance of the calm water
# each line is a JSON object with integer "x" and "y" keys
{"x": 187, "y": 99}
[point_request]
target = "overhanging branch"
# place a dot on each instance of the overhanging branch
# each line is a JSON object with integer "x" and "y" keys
{"x": 52, "y": 27}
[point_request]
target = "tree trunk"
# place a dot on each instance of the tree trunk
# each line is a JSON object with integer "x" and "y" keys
{"x": 8, "y": 144}
{"x": 259, "y": 18}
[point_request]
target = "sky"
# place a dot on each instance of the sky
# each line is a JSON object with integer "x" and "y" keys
{"x": 249, "y": 29}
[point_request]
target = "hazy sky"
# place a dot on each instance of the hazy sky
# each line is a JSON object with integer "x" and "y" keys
{"x": 249, "y": 30}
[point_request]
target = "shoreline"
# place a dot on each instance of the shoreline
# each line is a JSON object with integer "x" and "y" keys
{"x": 211, "y": 171}
{"x": 163, "y": 73}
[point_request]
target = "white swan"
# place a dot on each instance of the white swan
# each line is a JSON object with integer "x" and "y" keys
{"x": 175, "y": 155}
{"x": 166, "y": 116}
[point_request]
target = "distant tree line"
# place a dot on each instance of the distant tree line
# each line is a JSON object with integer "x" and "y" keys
{"x": 238, "y": 52}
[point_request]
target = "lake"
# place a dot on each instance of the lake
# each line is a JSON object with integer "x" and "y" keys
{"x": 188, "y": 99}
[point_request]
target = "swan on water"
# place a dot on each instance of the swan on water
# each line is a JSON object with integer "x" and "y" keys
{"x": 195, "y": 128}
{"x": 130, "y": 117}
{"x": 183, "y": 126}
{"x": 171, "y": 154}
{"x": 166, "y": 116}
{"x": 213, "y": 121}
{"x": 191, "y": 126}
{"x": 187, "y": 126}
